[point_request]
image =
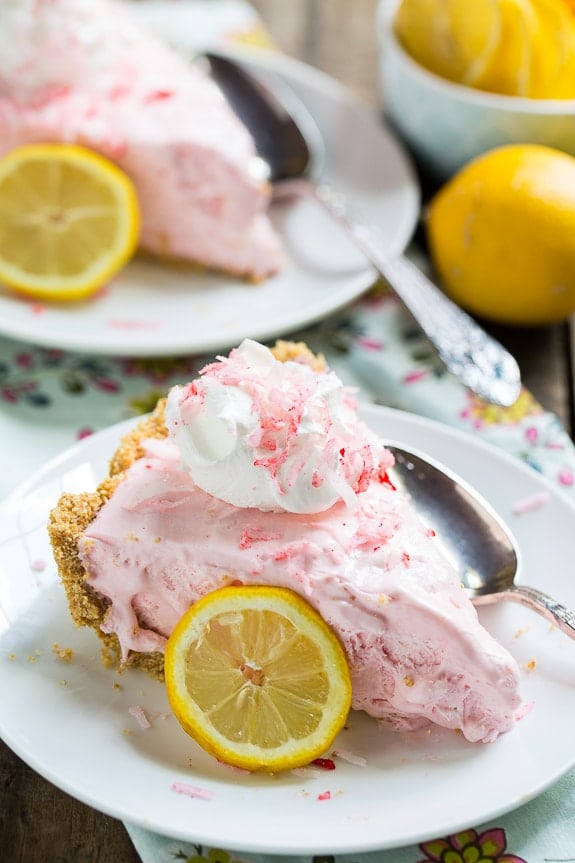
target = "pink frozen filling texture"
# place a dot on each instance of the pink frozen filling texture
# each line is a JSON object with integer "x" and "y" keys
{"x": 416, "y": 649}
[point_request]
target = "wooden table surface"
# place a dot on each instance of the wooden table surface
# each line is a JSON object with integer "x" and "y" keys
{"x": 39, "y": 823}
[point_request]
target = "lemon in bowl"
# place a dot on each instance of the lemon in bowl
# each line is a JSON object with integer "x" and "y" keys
{"x": 456, "y": 83}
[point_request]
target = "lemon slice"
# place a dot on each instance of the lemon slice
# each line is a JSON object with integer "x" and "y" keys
{"x": 257, "y": 678}
{"x": 510, "y": 68}
{"x": 449, "y": 38}
{"x": 566, "y": 85}
{"x": 69, "y": 220}
{"x": 554, "y": 51}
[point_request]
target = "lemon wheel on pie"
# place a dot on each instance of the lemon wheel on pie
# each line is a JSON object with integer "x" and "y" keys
{"x": 69, "y": 220}
{"x": 257, "y": 678}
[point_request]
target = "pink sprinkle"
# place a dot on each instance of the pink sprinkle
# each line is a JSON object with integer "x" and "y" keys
{"x": 192, "y": 791}
{"x": 38, "y": 565}
{"x": 255, "y": 534}
{"x": 324, "y": 763}
{"x": 38, "y": 308}
{"x": 534, "y": 501}
{"x": 266, "y": 462}
{"x": 139, "y": 715}
{"x": 370, "y": 344}
{"x": 415, "y": 376}
{"x": 531, "y": 434}
{"x": 566, "y": 477}
{"x": 192, "y": 392}
{"x": 326, "y": 795}
{"x": 83, "y": 433}
{"x": 159, "y": 95}
{"x": 350, "y": 757}
{"x": 118, "y": 324}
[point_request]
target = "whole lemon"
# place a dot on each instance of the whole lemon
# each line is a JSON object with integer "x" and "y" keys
{"x": 501, "y": 235}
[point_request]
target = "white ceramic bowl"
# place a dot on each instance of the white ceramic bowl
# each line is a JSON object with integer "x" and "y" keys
{"x": 446, "y": 124}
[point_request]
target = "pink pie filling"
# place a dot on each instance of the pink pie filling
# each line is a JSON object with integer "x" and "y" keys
{"x": 416, "y": 649}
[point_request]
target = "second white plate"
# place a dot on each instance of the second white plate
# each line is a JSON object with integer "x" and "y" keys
{"x": 72, "y": 721}
{"x": 152, "y": 309}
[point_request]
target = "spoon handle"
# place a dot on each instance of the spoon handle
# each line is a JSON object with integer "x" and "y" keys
{"x": 536, "y": 600}
{"x": 475, "y": 358}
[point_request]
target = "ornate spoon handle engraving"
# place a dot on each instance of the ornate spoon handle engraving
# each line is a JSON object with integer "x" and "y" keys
{"x": 474, "y": 357}
{"x": 538, "y": 601}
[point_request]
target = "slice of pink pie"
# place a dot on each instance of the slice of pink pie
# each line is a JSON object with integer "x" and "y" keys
{"x": 261, "y": 472}
{"x": 84, "y": 71}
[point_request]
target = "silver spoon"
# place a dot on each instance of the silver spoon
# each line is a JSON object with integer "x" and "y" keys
{"x": 472, "y": 535}
{"x": 284, "y": 144}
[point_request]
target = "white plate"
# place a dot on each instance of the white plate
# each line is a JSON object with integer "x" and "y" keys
{"x": 151, "y": 309}
{"x": 68, "y": 721}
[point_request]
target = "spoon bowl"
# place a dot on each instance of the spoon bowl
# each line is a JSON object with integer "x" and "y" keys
{"x": 288, "y": 142}
{"x": 472, "y": 535}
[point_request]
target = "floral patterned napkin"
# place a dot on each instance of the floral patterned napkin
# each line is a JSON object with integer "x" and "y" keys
{"x": 50, "y": 398}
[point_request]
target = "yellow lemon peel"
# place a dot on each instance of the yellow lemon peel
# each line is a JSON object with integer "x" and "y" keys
{"x": 500, "y": 235}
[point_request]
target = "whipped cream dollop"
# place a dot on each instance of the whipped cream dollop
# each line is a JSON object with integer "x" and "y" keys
{"x": 257, "y": 432}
